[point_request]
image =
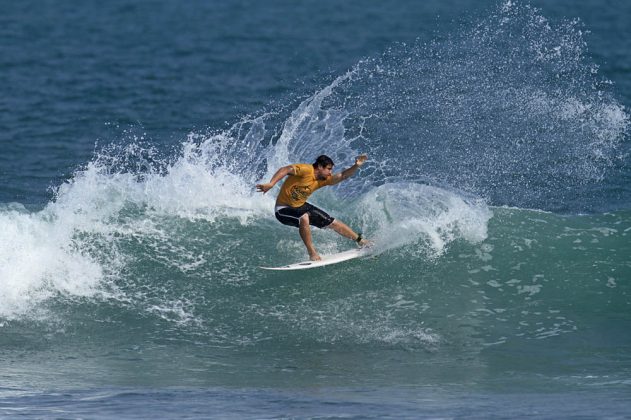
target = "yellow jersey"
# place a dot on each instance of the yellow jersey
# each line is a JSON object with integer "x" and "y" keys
{"x": 298, "y": 187}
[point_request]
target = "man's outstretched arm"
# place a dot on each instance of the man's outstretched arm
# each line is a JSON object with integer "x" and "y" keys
{"x": 347, "y": 173}
{"x": 280, "y": 174}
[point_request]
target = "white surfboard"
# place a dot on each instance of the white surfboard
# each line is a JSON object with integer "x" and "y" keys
{"x": 326, "y": 260}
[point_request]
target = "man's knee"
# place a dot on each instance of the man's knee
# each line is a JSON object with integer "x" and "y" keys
{"x": 304, "y": 219}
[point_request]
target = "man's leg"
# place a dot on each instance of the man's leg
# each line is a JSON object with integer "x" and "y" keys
{"x": 305, "y": 234}
{"x": 343, "y": 229}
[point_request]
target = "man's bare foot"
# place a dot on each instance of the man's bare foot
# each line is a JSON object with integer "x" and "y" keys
{"x": 315, "y": 257}
{"x": 365, "y": 243}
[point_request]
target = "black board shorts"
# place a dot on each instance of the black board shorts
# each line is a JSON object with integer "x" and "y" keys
{"x": 290, "y": 215}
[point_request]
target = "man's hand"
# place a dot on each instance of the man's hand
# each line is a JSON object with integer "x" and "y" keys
{"x": 280, "y": 174}
{"x": 361, "y": 159}
{"x": 345, "y": 174}
{"x": 264, "y": 187}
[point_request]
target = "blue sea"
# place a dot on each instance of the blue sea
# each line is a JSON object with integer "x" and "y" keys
{"x": 497, "y": 194}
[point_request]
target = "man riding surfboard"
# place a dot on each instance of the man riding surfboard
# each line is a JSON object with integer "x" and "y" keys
{"x": 302, "y": 180}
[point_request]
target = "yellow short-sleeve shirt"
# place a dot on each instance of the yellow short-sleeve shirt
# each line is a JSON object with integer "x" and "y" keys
{"x": 298, "y": 187}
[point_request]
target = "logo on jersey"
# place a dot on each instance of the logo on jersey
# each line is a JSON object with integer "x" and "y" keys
{"x": 300, "y": 192}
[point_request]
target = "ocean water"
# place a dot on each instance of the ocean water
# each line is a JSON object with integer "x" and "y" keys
{"x": 497, "y": 194}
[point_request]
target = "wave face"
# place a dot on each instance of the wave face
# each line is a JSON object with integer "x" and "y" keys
{"x": 487, "y": 150}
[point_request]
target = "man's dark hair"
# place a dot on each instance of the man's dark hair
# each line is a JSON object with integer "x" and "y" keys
{"x": 323, "y": 161}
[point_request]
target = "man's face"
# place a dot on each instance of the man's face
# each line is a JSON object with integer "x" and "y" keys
{"x": 323, "y": 172}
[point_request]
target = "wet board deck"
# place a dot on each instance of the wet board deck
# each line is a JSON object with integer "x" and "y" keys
{"x": 326, "y": 260}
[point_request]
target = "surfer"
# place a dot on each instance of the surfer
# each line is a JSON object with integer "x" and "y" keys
{"x": 291, "y": 204}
